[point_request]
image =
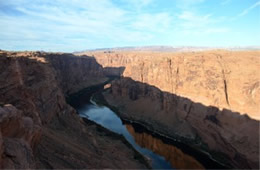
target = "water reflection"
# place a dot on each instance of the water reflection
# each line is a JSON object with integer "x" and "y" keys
{"x": 108, "y": 119}
{"x": 161, "y": 155}
{"x": 175, "y": 156}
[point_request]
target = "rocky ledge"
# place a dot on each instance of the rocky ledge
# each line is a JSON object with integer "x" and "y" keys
{"x": 210, "y": 98}
{"x": 38, "y": 129}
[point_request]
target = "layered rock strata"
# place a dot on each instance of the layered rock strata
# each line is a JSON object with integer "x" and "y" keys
{"x": 38, "y": 129}
{"x": 210, "y": 98}
{"x": 224, "y": 79}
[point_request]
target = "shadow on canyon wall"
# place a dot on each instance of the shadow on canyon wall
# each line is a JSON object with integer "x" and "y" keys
{"x": 231, "y": 137}
{"x": 170, "y": 151}
{"x": 36, "y": 84}
{"x": 38, "y": 129}
{"x": 114, "y": 71}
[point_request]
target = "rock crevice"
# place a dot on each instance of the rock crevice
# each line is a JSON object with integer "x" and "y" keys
{"x": 38, "y": 129}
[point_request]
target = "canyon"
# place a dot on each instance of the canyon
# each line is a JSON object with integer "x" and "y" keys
{"x": 39, "y": 129}
{"x": 208, "y": 100}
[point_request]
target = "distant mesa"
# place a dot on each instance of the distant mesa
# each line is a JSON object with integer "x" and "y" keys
{"x": 171, "y": 48}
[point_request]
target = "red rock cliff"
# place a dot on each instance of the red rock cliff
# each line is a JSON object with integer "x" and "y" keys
{"x": 38, "y": 129}
{"x": 202, "y": 96}
{"x": 224, "y": 79}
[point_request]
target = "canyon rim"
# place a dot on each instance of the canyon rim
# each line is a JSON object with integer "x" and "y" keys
{"x": 181, "y": 95}
{"x": 129, "y": 84}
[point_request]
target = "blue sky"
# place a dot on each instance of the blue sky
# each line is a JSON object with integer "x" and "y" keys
{"x": 74, "y": 25}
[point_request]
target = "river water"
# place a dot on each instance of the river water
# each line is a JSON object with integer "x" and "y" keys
{"x": 161, "y": 153}
{"x": 108, "y": 119}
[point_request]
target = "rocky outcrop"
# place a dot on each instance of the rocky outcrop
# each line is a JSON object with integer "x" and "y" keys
{"x": 230, "y": 138}
{"x": 224, "y": 79}
{"x": 28, "y": 83}
{"x": 174, "y": 155}
{"x": 209, "y": 98}
{"x": 38, "y": 128}
{"x": 72, "y": 143}
{"x": 18, "y": 133}
{"x": 76, "y": 73}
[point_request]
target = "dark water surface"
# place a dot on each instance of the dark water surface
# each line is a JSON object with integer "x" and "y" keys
{"x": 107, "y": 118}
{"x": 162, "y": 154}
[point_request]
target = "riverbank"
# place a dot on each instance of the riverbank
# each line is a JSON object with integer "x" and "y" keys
{"x": 83, "y": 97}
{"x": 182, "y": 143}
{"x": 39, "y": 129}
{"x": 213, "y": 160}
{"x": 77, "y": 143}
{"x": 209, "y": 129}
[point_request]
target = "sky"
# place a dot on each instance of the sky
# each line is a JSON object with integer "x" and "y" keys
{"x": 76, "y": 25}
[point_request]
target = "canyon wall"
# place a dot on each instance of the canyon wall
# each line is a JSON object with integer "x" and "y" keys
{"x": 209, "y": 98}
{"x": 172, "y": 154}
{"x": 76, "y": 73}
{"x": 224, "y": 79}
{"x": 38, "y": 129}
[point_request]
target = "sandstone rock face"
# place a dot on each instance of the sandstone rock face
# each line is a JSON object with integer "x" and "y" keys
{"x": 208, "y": 128}
{"x": 76, "y": 73}
{"x": 36, "y": 82}
{"x": 224, "y": 79}
{"x": 35, "y": 120}
{"x": 202, "y": 96}
{"x": 82, "y": 146}
{"x": 17, "y": 135}
{"x": 172, "y": 154}
{"x": 28, "y": 82}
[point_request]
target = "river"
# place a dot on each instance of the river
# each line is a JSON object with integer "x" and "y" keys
{"x": 160, "y": 153}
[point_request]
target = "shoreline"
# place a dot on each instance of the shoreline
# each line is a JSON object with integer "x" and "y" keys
{"x": 88, "y": 93}
{"x": 178, "y": 140}
{"x": 95, "y": 93}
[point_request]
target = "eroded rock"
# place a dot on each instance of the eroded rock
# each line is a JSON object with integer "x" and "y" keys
{"x": 37, "y": 127}
{"x": 17, "y": 133}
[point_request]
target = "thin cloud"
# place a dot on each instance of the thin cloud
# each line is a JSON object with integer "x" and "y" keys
{"x": 63, "y": 22}
{"x": 190, "y": 20}
{"x": 152, "y": 22}
{"x": 188, "y": 4}
{"x": 65, "y": 25}
{"x": 249, "y": 9}
{"x": 225, "y": 2}
{"x": 216, "y": 30}
{"x": 195, "y": 24}
{"x": 140, "y": 3}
